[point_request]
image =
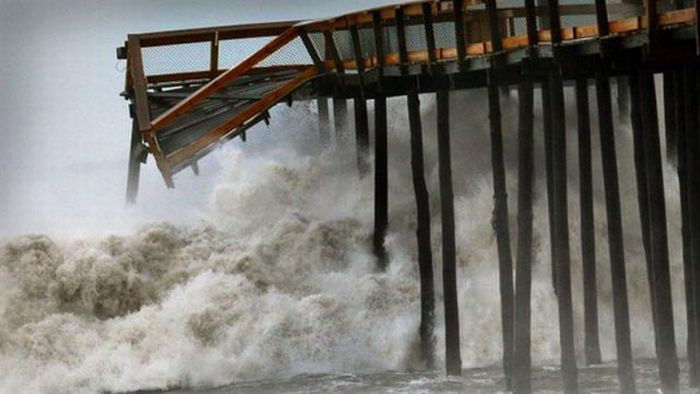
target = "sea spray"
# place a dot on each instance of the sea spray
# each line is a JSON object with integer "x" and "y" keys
{"x": 280, "y": 279}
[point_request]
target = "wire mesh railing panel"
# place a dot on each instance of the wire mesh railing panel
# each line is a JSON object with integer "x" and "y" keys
{"x": 343, "y": 42}
{"x": 415, "y": 38}
{"x": 391, "y": 39}
{"x": 232, "y": 52}
{"x": 319, "y": 43}
{"x": 173, "y": 59}
{"x": 367, "y": 42}
{"x": 294, "y": 52}
{"x": 444, "y": 35}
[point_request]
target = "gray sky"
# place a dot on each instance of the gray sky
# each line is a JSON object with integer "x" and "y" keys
{"x": 64, "y": 130}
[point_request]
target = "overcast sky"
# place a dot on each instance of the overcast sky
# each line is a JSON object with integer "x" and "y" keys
{"x": 64, "y": 130}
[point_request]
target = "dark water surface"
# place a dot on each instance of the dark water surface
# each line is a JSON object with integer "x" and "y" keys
{"x": 545, "y": 379}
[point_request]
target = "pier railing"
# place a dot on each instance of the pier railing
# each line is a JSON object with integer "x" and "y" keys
{"x": 186, "y": 70}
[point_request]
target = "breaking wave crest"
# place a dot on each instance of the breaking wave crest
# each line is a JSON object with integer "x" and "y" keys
{"x": 280, "y": 280}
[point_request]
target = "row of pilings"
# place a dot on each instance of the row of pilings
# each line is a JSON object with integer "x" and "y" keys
{"x": 515, "y": 272}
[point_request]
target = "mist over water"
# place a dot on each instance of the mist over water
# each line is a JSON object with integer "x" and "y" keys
{"x": 273, "y": 276}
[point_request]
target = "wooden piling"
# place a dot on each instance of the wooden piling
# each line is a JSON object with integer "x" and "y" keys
{"x": 324, "y": 124}
{"x": 340, "y": 120}
{"x": 562, "y": 258}
{"x": 501, "y": 227}
{"x": 425, "y": 255}
{"x": 361, "y": 135}
{"x": 692, "y": 149}
{"x": 683, "y": 182}
{"x": 547, "y": 128}
{"x": 523, "y": 280}
{"x": 667, "y": 358}
{"x": 453, "y": 362}
{"x": 625, "y": 366}
{"x": 381, "y": 187}
{"x": 588, "y": 259}
{"x": 134, "y": 173}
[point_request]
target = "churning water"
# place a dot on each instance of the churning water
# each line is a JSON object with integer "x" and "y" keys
{"x": 276, "y": 290}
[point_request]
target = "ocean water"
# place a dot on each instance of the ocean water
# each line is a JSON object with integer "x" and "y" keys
{"x": 545, "y": 379}
{"x": 275, "y": 289}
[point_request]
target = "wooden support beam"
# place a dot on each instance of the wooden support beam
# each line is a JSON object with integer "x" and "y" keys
{"x": 429, "y": 34}
{"x": 523, "y": 280}
{"x": 561, "y": 225}
{"x": 381, "y": 188}
{"x": 588, "y": 259}
{"x": 324, "y": 124}
{"x": 667, "y": 358}
{"x": 332, "y": 50}
{"x": 625, "y": 366}
{"x": 683, "y": 180}
{"x": 425, "y": 256}
{"x": 460, "y": 39}
{"x": 453, "y": 361}
{"x": 547, "y": 128}
{"x": 501, "y": 227}
{"x": 692, "y": 152}
{"x": 670, "y": 116}
{"x": 361, "y": 134}
{"x": 132, "y": 182}
{"x": 340, "y": 121}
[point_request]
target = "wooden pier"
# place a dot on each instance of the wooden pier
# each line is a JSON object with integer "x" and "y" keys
{"x": 192, "y": 90}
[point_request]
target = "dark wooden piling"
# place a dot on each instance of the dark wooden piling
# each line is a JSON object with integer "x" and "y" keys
{"x": 361, "y": 135}
{"x": 562, "y": 258}
{"x": 340, "y": 121}
{"x": 425, "y": 255}
{"x": 453, "y": 361}
{"x": 361, "y": 122}
{"x": 547, "y": 129}
{"x": 501, "y": 227}
{"x": 134, "y": 173}
{"x": 666, "y": 342}
{"x": 381, "y": 182}
{"x": 324, "y": 124}
{"x": 683, "y": 182}
{"x": 523, "y": 280}
{"x": 381, "y": 187}
{"x": 500, "y": 198}
{"x": 625, "y": 366}
{"x": 588, "y": 259}
{"x": 692, "y": 149}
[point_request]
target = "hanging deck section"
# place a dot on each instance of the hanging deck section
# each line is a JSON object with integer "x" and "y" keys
{"x": 191, "y": 90}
